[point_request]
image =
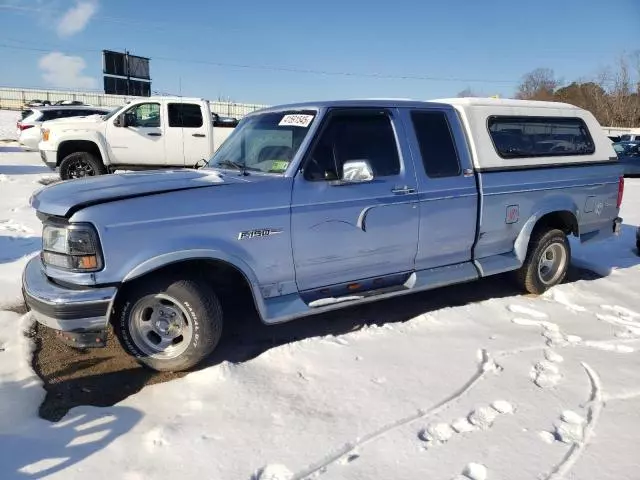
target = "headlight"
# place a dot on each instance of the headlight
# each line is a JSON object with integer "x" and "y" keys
{"x": 71, "y": 247}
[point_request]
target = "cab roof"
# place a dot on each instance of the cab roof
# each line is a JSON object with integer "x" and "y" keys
{"x": 464, "y": 103}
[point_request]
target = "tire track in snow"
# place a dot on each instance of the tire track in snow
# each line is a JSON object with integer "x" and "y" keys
{"x": 486, "y": 365}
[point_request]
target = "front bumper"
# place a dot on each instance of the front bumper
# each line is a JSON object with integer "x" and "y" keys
{"x": 48, "y": 157}
{"x": 75, "y": 310}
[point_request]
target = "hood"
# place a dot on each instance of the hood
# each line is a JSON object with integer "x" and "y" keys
{"x": 90, "y": 122}
{"x": 64, "y": 198}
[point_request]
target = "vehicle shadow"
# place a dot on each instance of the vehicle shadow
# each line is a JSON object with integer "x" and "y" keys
{"x": 39, "y": 448}
{"x": 246, "y": 337}
{"x": 13, "y": 248}
{"x": 23, "y": 169}
{"x": 612, "y": 254}
{"x": 106, "y": 376}
{"x": 11, "y": 149}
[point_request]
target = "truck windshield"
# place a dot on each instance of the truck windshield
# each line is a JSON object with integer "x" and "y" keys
{"x": 264, "y": 142}
{"x": 111, "y": 113}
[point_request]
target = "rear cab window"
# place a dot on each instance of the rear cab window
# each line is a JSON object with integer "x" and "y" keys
{"x": 529, "y": 136}
{"x": 437, "y": 147}
{"x": 185, "y": 115}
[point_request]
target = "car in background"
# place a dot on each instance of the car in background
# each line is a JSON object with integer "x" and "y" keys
{"x": 630, "y": 137}
{"x": 629, "y": 156}
{"x": 32, "y": 119}
{"x": 36, "y": 103}
{"x": 69, "y": 102}
{"x": 222, "y": 121}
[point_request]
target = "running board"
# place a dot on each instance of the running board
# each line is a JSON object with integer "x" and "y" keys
{"x": 296, "y": 305}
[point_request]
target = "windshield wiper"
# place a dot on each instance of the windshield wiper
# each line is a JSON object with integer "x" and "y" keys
{"x": 237, "y": 165}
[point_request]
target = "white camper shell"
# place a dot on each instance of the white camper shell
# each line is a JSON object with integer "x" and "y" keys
{"x": 507, "y": 134}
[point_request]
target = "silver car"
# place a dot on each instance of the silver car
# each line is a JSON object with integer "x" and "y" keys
{"x": 32, "y": 118}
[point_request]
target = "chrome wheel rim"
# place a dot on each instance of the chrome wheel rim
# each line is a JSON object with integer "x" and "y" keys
{"x": 552, "y": 263}
{"x": 80, "y": 168}
{"x": 160, "y": 327}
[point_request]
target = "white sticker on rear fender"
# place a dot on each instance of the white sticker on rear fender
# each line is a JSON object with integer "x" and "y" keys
{"x": 296, "y": 120}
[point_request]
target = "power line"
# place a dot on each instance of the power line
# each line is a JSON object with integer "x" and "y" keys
{"x": 277, "y": 68}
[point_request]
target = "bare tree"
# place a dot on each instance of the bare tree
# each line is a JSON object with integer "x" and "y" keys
{"x": 467, "y": 92}
{"x": 539, "y": 84}
{"x": 613, "y": 95}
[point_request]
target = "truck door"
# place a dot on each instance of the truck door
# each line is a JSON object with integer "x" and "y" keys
{"x": 447, "y": 189}
{"x": 188, "y": 134}
{"x": 346, "y": 232}
{"x": 141, "y": 142}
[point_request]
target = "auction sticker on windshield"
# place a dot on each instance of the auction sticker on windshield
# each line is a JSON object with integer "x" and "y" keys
{"x": 296, "y": 120}
{"x": 279, "y": 166}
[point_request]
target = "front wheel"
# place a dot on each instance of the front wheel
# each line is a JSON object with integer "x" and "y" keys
{"x": 81, "y": 164}
{"x": 169, "y": 324}
{"x": 547, "y": 261}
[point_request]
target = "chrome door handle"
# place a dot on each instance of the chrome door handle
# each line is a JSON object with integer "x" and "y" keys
{"x": 403, "y": 190}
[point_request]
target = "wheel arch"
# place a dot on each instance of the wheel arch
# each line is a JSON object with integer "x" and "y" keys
{"x": 562, "y": 219}
{"x": 216, "y": 267}
{"x": 67, "y": 147}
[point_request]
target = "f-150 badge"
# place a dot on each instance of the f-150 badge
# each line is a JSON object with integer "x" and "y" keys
{"x": 260, "y": 232}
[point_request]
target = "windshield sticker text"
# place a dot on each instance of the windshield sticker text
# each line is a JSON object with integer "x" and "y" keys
{"x": 279, "y": 166}
{"x": 296, "y": 120}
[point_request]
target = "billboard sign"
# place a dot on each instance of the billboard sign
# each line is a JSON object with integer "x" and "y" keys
{"x": 125, "y": 74}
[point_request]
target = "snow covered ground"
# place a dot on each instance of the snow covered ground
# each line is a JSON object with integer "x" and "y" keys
{"x": 8, "y": 120}
{"x": 508, "y": 388}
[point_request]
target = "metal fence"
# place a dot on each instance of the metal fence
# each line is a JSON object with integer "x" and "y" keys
{"x": 15, "y": 98}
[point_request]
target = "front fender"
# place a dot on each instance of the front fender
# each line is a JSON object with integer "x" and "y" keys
{"x": 92, "y": 137}
{"x": 165, "y": 259}
{"x": 548, "y": 205}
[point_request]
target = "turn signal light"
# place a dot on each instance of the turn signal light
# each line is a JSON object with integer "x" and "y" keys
{"x": 88, "y": 262}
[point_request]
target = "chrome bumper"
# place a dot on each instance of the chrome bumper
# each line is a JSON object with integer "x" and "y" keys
{"x": 65, "y": 309}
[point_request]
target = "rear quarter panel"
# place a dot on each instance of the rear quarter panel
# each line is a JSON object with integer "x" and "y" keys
{"x": 589, "y": 192}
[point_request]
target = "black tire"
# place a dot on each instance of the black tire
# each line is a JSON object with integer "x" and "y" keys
{"x": 531, "y": 276}
{"x": 81, "y": 164}
{"x": 197, "y": 306}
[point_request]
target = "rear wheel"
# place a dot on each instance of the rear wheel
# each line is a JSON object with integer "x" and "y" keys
{"x": 547, "y": 261}
{"x": 169, "y": 324}
{"x": 81, "y": 164}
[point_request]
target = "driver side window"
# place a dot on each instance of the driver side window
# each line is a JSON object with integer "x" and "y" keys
{"x": 354, "y": 136}
{"x": 144, "y": 115}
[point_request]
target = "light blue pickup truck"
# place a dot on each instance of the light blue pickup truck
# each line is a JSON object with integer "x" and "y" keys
{"x": 317, "y": 206}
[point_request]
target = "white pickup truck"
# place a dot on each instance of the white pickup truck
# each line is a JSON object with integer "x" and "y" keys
{"x": 148, "y": 133}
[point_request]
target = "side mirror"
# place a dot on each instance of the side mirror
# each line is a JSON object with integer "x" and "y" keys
{"x": 356, "y": 171}
{"x": 119, "y": 121}
{"x": 200, "y": 164}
